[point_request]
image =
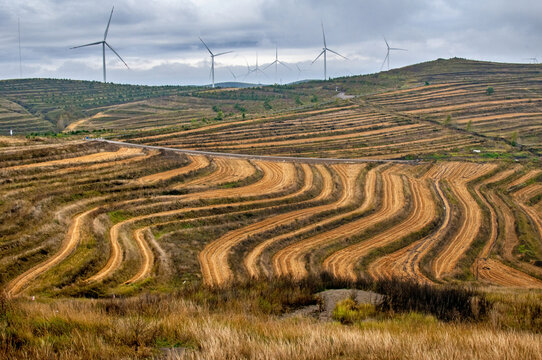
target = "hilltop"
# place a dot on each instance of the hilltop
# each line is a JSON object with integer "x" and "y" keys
{"x": 511, "y": 91}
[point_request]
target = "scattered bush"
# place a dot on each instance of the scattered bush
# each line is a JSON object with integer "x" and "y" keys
{"x": 349, "y": 311}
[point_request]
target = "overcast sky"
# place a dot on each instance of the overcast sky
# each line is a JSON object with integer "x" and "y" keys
{"x": 159, "y": 38}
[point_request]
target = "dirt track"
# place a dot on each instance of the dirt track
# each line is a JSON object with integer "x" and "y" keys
{"x": 307, "y": 160}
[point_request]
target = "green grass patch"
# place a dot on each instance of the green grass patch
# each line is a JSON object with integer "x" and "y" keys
{"x": 117, "y": 216}
{"x": 348, "y": 311}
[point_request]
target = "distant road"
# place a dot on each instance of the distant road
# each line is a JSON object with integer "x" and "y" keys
{"x": 305, "y": 160}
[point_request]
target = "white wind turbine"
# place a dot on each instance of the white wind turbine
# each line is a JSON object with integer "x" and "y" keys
{"x": 213, "y": 59}
{"x": 256, "y": 70}
{"x": 325, "y": 49}
{"x": 388, "y": 54}
{"x": 104, "y": 44}
{"x": 276, "y": 63}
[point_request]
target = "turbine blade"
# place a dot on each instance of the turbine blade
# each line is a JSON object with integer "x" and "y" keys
{"x": 323, "y": 34}
{"x": 116, "y": 53}
{"x": 232, "y": 74}
{"x": 109, "y": 22}
{"x": 273, "y": 63}
{"x": 249, "y": 70}
{"x": 80, "y": 46}
{"x": 204, "y": 44}
{"x": 318, "y": 57}
{"x": 223, "y": 53}
{"x": 398, "y": 49}
{"x": 386, "y": 41}
{"x": 283, "y": 64}
{"x": 336, "y": 53}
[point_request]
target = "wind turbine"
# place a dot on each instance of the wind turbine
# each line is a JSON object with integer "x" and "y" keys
{"x": 388, "y": 54}
{"x": 256, "y": 69}
{"x": 104, "y": 44}
{"x": 276, "y": 63}
{"x": 533, "y": 60}
{"x": 325, "y": 49}
{"x": 213, "y": 59}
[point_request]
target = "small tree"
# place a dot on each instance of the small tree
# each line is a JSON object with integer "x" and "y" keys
{"x": 448, "y": 120}
{"x": 490, "y": 90}
{"x": 469, "y": 125}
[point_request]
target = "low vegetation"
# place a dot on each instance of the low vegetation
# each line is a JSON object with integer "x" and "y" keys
{"x": 252, "y": 318}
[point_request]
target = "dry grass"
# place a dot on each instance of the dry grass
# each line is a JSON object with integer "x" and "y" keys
{"x": 245, "y": 321}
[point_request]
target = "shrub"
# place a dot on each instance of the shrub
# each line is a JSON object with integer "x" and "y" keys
{"x": 349, "y": 311}
{"x": 490, "y": 90}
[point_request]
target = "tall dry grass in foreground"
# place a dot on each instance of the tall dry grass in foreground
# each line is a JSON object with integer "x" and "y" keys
{"x": 250, "y": 321}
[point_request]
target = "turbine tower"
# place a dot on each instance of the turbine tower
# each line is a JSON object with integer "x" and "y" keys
{"x": 213, "y": 59}
{"x": 104, "y": 44}
{"x": 276, "y": 63}
{"x": 325, "y": 49}
{"x": 388, "y": 54}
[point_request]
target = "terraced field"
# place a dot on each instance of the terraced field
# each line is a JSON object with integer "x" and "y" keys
{"x": 129, "y": 218}
{"x": 97, "y": 218}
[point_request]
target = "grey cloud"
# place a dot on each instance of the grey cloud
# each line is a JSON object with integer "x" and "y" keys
{"x": 159, "y": 38}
